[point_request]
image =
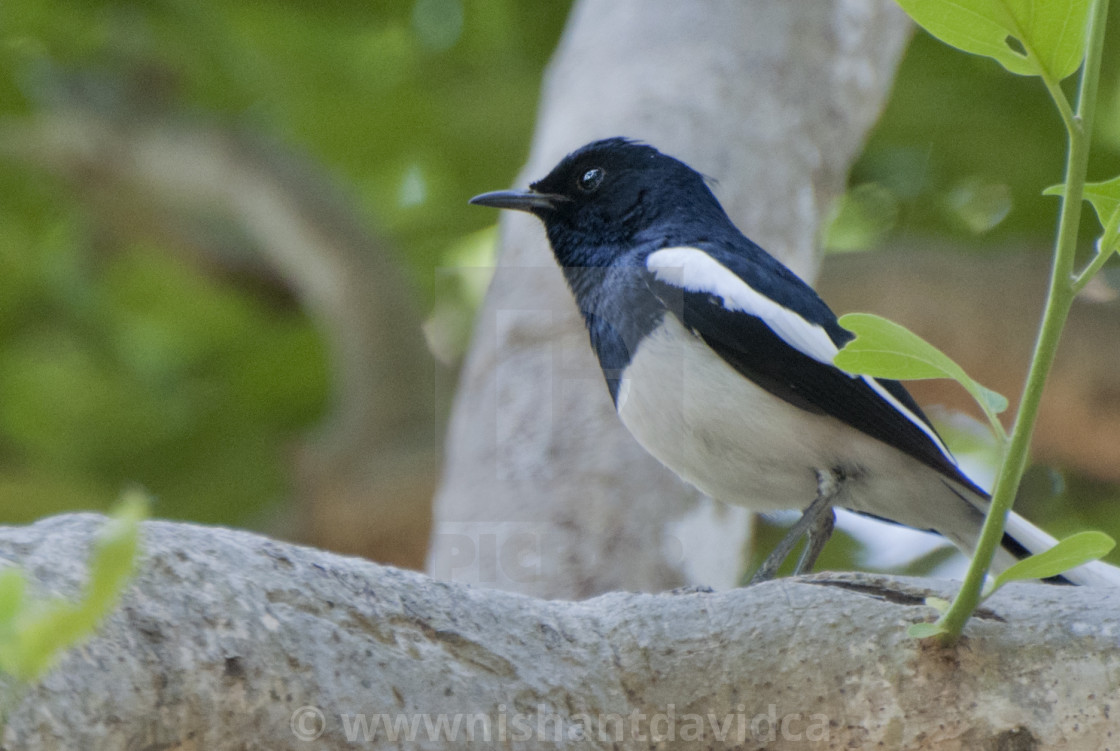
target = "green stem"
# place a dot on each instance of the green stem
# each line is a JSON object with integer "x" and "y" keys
{"x": 1060, "y": 101}
{"x": 1058, "y": 302}
{"x": 1106, "y": 246}
{"x": 1052, "y": 85}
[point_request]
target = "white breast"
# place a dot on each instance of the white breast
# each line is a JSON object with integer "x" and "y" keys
{"x": 740, "y": 444}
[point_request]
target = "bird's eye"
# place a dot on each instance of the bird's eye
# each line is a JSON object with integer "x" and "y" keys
{"x": 590, "y": 180}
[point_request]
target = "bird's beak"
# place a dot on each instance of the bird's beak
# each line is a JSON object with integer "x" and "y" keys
{"x": 521, "y": 200}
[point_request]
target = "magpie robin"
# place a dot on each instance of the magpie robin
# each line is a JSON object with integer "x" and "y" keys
{"x": 719, "y": 360}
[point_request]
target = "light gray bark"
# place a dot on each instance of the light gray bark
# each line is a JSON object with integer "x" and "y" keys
{"x": 228, "y": 640}
{"x": 543, "y": 491}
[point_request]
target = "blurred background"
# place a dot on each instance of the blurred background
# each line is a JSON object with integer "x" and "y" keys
{"x": 224, "y": 226}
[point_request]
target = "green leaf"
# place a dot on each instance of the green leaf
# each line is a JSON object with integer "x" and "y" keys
{"x": 115, "y": 555}
{"x": 1105, "y": 199}
{"x": 883, "y": 349}
{"x": 938, "y": 604}
{"x": 925, "y": 630}
{"x": 1049, "y": 35}
{"x": 34, "y": 633}
{"x": 1069, "y": 553}
{"x": 1104, "y": 196}
{"x": 45, "y": 631}
{"x": 13, "y": 585}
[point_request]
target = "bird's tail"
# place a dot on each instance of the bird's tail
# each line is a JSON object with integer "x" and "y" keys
{"x": 962, "y": 525}
{"x": 1025, "y": 538}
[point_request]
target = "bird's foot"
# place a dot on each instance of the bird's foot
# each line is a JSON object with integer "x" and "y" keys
{"x": 816, "y": 524}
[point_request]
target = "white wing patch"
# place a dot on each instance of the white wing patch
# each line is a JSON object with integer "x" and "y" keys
{"x": 694, "y": 270}
{"x": 900, "y": 407}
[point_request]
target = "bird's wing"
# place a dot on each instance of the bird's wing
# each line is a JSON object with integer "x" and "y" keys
{"x": 772, "y": 328}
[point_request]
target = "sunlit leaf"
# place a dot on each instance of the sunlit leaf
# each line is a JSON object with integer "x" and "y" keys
{"x": 925, "y": 630}
{"x": 13, "y": 585}
{"x": 1071, "y": 552}
{"x": 883, "y": 349}
{"x": 1104, "y": 196}
{"x": 1105, "y": 200}
{"x": 115, "y": 555}
{"x": 34, "y": 633}
{"x": 938, "y": 604}
{"x": 1029, "y": 37}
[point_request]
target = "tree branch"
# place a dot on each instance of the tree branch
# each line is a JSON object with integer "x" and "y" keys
{"x": 224, "y": 636}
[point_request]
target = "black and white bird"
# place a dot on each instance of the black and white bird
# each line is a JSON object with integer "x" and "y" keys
{"x": 719, "y": 360}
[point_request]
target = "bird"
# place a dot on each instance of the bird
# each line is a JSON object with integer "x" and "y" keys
{"x": 719, "y": 361}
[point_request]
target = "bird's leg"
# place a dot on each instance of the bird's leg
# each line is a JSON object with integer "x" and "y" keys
{"x": 816, "y": 524}
{"x": 819, "y": 532}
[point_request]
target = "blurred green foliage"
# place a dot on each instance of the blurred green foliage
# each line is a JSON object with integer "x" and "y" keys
{"x": 964, "y": 150}
{"x": 131, "y": 364}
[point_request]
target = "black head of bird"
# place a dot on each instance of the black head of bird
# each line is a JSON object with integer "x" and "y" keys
{"x": 611, "y": 195}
